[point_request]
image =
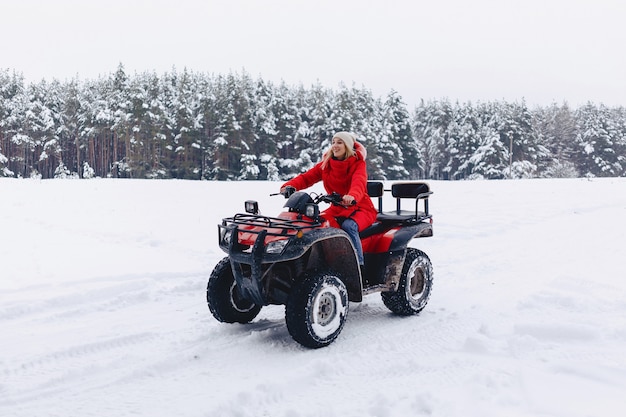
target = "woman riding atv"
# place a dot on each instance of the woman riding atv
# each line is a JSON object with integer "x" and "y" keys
{"x": 343, "y": 170}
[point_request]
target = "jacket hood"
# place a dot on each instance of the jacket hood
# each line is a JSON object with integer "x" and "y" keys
{"x": 360, "y": 150}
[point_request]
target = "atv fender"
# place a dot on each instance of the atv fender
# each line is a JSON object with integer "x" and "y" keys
{"x": 405, "y": 234}
{"x": 331, "y": 248}
{"x": 397, "y": 251}
{"x": 322, "y": 248}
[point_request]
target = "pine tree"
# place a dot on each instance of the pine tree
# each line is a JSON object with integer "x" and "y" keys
{"x": 427, "y": 126}
{"x": 73, "y": 146}
{"x": 489, "y": 160}
{"x": 117, "y": 96}
{"x": 465, "y": 138}
{"x": 11, "y": 100}
{"x": 596, "y": 141}
{"x": 48, "y": 108}
{"x": 556, "y": 129}
{"x": 397, "y": 153}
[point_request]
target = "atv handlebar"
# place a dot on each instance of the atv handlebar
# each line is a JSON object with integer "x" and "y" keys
{"x": 287, "y": 192}
{"x": 333, "y": 198}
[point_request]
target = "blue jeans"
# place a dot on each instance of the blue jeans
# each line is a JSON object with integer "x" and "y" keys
{"x": 352, "y": 229}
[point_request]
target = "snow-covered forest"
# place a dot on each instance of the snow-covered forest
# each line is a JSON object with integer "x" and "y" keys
{"x": 192, "y": 125}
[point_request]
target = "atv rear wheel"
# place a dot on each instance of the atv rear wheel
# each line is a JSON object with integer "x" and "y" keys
{"x": 416, "y": 283}
{"x": 225, "y": 302}
{"x": 316, "y": 310}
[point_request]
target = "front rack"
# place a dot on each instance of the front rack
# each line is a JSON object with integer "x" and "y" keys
{"x": 274, "y": 226}
{"x": 246, "y": 237}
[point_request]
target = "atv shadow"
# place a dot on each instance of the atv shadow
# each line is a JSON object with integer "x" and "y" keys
{"x": 270, "y": 328}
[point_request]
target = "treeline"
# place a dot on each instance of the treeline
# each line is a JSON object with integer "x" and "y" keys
{"x": 192, "y": 125}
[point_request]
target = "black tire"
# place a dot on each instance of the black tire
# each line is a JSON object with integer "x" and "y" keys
{"x": 317, "y": 309}
{"x": 416, "y": 283}
{"x": 225, "y": 302}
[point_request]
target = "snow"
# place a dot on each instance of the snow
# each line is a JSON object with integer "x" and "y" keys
{"x": 103, "y": 311}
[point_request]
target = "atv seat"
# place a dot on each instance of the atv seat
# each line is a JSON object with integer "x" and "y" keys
{"x": 401, "y": 190}
{"x": 408, "y": 190}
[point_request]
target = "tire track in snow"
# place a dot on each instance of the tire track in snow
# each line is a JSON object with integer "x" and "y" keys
{"x": 50, "y": 373}
{"x": 101, "y": 293}
{"x": 80, "y": 353}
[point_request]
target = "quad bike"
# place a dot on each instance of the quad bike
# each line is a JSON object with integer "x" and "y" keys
{"x": 298, "y": 260}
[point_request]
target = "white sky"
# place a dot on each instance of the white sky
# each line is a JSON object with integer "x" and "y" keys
{"x": 542, "y": 51}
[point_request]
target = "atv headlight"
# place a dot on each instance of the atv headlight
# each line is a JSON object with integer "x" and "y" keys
{"x": 251, "y": 207}
{"x": 276, "y": 246}
{"x": 312, "y": 211}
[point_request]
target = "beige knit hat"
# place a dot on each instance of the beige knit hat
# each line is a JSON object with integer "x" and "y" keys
{"x": 347, "y": 138}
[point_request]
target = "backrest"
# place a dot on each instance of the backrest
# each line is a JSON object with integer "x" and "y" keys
{"x": 409, "y": 189}
{"x": 375, "y": 190}
{"x": 413, "y": 190}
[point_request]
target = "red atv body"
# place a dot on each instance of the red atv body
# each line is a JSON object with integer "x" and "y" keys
{"x": 296, "y": 259}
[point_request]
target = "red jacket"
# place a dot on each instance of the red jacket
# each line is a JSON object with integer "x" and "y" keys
{"x": 344, "y": 177}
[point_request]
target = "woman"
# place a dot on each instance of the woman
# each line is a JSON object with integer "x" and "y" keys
{"x": 342, "y": 170}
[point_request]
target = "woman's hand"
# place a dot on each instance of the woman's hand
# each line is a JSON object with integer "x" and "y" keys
{"x": 347, "y": 200}
{"x": 287, "y": 191}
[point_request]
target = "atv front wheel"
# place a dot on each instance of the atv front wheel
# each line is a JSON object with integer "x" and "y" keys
{"x": 222, "y": 295}
{"x": 416, "y": 283}
{"x": 316, "y": 310}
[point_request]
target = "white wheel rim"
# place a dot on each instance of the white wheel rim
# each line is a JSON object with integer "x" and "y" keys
{"x": 327, "y": 312}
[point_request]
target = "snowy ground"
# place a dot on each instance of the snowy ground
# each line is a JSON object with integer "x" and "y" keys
{"x": 103, "y": 312}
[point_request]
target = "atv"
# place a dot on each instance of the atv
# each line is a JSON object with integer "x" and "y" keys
{"x": 298, "y": 260}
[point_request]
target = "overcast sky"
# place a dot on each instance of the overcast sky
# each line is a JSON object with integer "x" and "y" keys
{"x": 541, "y": 51}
